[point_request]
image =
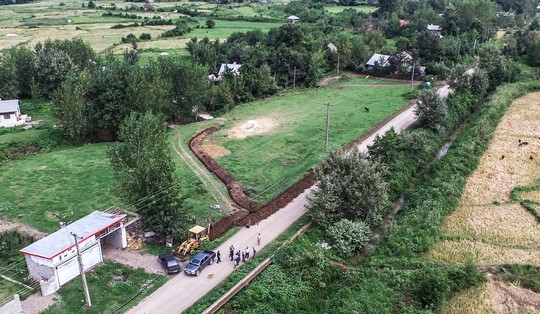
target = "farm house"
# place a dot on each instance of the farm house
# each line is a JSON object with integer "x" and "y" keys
{"x": 10, "y": 113}
{"x": 53, "y": 260}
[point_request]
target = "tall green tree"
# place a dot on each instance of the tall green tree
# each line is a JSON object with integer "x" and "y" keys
{"x": 143, "y": 166}
{"x": 430, "y": 109}
{"x": 72, "y": 109}
{"x": 350, "y": 187}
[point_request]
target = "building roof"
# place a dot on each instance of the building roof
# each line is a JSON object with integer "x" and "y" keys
{"x": 233, "y": 67}
{"x": 293, "y": 18}
{"x": 11, "y": 105}
{"x": 62, "y": 240}
{"x": 197, "y": 229}
{"x": 433, "y": 27}
{"x": 378, "y": 58}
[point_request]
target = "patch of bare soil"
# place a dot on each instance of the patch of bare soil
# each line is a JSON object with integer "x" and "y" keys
{"x": 215, "y": 151}
{"x": 37, "y": 303}
{"x": 508, "y": 298}
{"x": 253, "y": 127}
{"x": 148, "y": 262}
{"x": 8, "y": 225}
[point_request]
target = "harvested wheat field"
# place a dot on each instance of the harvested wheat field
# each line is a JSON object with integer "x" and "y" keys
{"x": 494, "y": 297}
{"x": 509, "y": 233}
{"x": 532, "y": 195}
{"x": 507, "y": 224}
{"x": 463, "y": 251}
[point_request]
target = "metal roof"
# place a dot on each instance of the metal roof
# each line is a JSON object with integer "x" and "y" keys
{"x": 62, "y": 240}
{"x": 233, "y": 67}
{"x": 434, "y": 27}
{"x": 381, "y": 59}
{"x": 293, "y": 18}
{"x": 197, "y": 229}
{"x": 11, "y": 105}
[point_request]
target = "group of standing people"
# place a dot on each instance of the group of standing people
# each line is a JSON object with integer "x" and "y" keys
{"x": 242, "y": 256}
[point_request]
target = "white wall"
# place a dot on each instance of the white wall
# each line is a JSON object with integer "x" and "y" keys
{"x": 12, "y": 121}
{"x": 12, "y": 307}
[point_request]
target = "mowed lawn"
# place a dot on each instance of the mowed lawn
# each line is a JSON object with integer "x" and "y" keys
{"x": 272, "y": 161}
{"x": 71, "y": 182}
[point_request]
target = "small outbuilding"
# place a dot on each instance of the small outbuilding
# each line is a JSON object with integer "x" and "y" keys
{"x": 53, "y": 261}
{"x": 377, "y": 59}
{"x": 10, "y": 113}
{"x": 293, "y": 19}
{"x": 234, "y": 68}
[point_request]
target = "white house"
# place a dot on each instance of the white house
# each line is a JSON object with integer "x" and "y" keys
{"x": 435, "y": 29}
{"x": 293, "y": 19}
{"x": 10, "y": 113}
{"x": 53, "y": 260}
{"x": 381, "y": 60}
{"x": 232, "y": 67}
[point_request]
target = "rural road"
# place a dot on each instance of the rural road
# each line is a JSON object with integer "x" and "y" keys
{"x": 182, "y": 291}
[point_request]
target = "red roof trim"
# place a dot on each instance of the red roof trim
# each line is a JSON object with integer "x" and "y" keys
{"x": 73, "y": 245}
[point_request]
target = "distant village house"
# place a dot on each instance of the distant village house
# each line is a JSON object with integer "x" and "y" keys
{"x": 293, "y": 19}
{"x": 232, "y": 68}
{"x": 10, "y": 114}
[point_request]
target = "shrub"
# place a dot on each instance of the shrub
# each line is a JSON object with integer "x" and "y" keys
{"x": 348, "y": 237}
{"x": 145, "y": 36}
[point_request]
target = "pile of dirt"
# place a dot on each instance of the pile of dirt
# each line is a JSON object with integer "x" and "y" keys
{"x": 215, "y": 151}
{"x": 252, "y": 127}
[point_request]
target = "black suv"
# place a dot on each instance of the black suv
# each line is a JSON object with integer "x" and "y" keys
{"x": 169, "y": 263}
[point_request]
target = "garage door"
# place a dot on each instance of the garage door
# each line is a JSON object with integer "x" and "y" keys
{"x": 70, "y": 269}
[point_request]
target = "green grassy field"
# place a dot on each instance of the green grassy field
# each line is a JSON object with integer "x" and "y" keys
{"x": 359, "y": 8}
{"x": 270, "y": 162}
{"x": 76, "y": 180}
{"x": 364, "y": 81}
{"x": 110, "y": 286}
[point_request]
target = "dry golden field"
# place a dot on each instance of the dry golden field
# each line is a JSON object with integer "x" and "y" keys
{"x": 494, "y": 297}
{"x": 488, "y": 228}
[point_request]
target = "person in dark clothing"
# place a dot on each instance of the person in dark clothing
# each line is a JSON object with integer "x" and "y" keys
{"x": 254, "y": 252}
{"x": 218, "y": 257}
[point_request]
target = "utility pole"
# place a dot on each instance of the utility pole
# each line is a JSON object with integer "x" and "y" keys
{"x": 81, "y": 269}
{"x": 327, "y": 125}
{"x": 412, "y": 77}
{"x": 294, "y": 78}
{"x": 338, "y": 63}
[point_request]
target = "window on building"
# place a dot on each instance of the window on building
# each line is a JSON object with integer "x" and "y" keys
{"x": 7, "y": 116}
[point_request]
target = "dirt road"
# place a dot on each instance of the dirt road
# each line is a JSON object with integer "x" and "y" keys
{"x": 182, "y": 291}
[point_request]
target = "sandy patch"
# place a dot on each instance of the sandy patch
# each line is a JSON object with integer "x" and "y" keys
{"x": 508, "y": 224}
{"x": 253, "y": 127}
{"x": 8, "y": 225}
{"x": 215, "y": 151}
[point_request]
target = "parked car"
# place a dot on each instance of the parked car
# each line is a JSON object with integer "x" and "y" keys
{"x": 198, "y": 262}
{"x": 169, "y": 263}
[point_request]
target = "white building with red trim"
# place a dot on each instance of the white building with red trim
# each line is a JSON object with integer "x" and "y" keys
{"x": 53, "y": 260}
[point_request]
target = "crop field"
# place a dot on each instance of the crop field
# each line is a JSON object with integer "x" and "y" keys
{"x": 360, "y": 8}
{"x": 289, "y": 132}
{"x": 36, "y": 22}
{"x": 488, "y": 227}
{"x": 493, "y": 297}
